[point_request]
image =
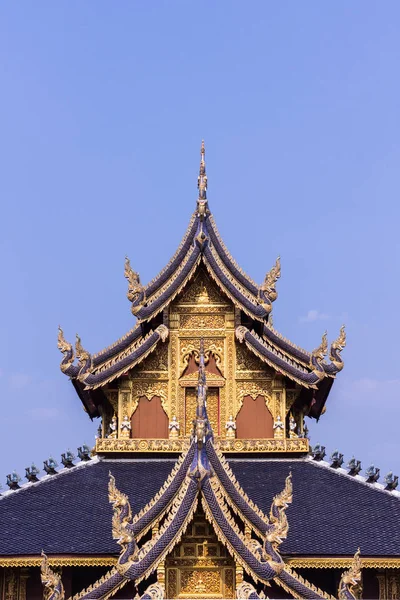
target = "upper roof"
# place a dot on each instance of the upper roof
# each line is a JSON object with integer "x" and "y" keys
{"x": 331, "y": 515}
{"x": 202, "y": 244}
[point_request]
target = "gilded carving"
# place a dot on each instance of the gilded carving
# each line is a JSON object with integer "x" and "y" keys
{"x": 254, "y": 388}
{"x": 199, "y": 566}
{"x": 246, "y": 361}
{"x": 202, "y": 321}
{"x": 212, "y": 409}
{"x": 141, "y": 445}
{"x": 264, "y": 445}
{"x": 202, "y": 291}
{"x": 157, "y": 361}
{"x": 192, "y": 347}
{"x": 149, "y": 389}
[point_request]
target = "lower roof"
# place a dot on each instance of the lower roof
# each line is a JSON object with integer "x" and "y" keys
{"x": 332, "y": 513}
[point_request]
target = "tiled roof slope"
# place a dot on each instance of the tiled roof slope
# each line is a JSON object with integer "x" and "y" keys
{"x": 331, "y": 514}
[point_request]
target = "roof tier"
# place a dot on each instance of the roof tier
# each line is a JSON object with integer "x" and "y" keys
{"x": 202, "y": 245}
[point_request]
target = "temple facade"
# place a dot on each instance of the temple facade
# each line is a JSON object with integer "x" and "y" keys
{"x": 202, "y": 482}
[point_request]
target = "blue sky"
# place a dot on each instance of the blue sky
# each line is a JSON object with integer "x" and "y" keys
{"x": 102, "y": 109}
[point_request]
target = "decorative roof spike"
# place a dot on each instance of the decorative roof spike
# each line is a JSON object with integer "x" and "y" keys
{"x": 84, "y": 452}
{"x": 67, "y": 459}
{"x": 50, "y": 466}
{"x": 350, "y": 582}
{"x": 202, "y": 207}
{"x": 318, "y": 452}
{"x": 354, "y": 466}
{"x": 372, "y": 474}
{"x": 31, "y": 473}
{"x": 336, "y": 348}
{"x": 392, "y": 481}
{"x": 336, "y": 459}
{"x": 267, "y": 291}
{"x": 13, "y": 480}
{"x": 53, "y": 587}
{"x": 66, "y": 348}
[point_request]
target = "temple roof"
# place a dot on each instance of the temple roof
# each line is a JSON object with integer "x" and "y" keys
{"x": 202, "y": 245}
{"x": 332, "y": 513}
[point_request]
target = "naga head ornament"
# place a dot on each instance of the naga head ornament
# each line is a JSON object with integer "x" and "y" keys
{"x": 336, "y": 348}
{"x": 51, "y": 581}
{"x": 267, "y": 291}
{"x": 350, "y": 582}
{"x": 318, "y": 355}
{"x": 83, "y": 356}
{"x": 66, "y": 348}
{"x": 62, "y": 343}
{"x": 135, "y": 293}
{"x": 278, "y": 526}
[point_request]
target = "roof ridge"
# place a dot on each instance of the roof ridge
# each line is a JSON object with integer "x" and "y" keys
{"x": 359, "y": 478}
{"x": 30, "y": 484}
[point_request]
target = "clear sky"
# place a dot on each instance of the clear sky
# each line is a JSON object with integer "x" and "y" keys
{"x": 102, "y": 109}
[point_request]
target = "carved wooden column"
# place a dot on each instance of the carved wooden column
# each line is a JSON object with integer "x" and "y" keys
{"x": 279, "y": 403}
{"x": 124, "y": 406}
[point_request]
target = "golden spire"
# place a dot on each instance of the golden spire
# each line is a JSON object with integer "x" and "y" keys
{"x": 202, "y": 184}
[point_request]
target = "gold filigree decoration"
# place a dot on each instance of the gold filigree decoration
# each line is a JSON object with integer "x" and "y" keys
{"x": 202, "y": 321}
{"x": 53, "y": 587}
{"x": 202, "y": 292}
{"x": 350, "y": 582}
{"x": 192, "y": 349}
{"x": 320, "y": 352}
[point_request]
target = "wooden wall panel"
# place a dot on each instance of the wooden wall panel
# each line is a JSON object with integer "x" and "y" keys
{"x": 149, "y": 419}
{"x": 254, "y": 419}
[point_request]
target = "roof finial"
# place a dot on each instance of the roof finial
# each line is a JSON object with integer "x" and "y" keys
{"x": 202, "y": 184}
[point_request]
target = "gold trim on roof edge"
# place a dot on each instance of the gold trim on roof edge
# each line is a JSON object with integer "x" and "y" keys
{"x": 121, "y": 339}
{"x": 125, "y": 369}
{"x": 304, "y": 582}
{"x": 305, "y": 562}
{"x": 274, "y": 366}
{"x": 111, "y": 445}
{"x": 170, "y": 299}
{"x": 234, "y": 301}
